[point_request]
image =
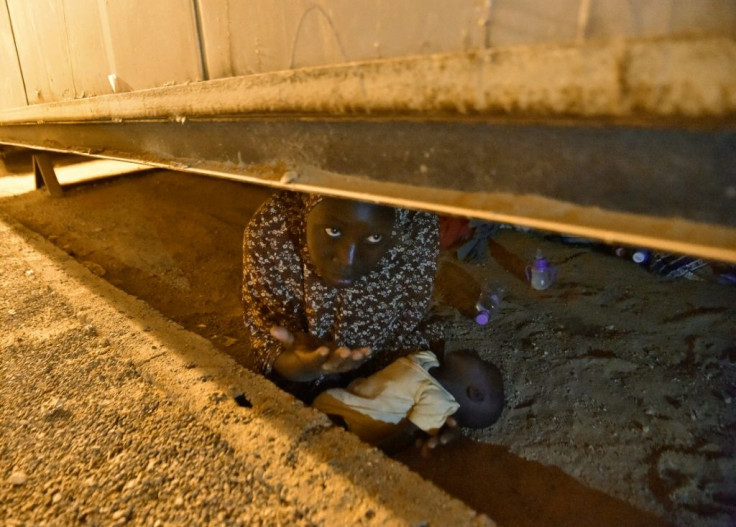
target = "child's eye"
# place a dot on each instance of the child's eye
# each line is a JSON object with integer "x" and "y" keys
{"x": 332, "y": 232}
{"x": 375, "y": 238}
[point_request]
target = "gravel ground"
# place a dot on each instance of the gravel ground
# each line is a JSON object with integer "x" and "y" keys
{"x": 110, "y": 414}
{"x": 87, "y": 440}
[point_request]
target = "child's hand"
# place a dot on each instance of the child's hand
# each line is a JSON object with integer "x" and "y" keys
{"x": 449, "y": 432}
{"x": 308, "y": 358}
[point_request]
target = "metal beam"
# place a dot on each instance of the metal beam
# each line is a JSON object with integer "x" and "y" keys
{"x": 668, "y": 188}
{"x": 628, "y": 141}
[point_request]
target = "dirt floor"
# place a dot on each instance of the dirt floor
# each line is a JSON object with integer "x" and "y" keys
{"x": 620, "y": 384}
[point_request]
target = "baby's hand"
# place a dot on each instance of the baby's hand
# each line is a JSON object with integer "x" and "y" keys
{"x": 320, "y": 357}
{"x": 448, "y": 433}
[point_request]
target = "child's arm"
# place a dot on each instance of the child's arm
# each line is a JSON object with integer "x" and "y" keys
{"x": 448, "y": 433}
{"x": 408, "y": 434}
{"x": 272, "y": 282}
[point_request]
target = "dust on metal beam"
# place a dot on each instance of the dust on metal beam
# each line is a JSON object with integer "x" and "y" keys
{"x": 675, "y": 77}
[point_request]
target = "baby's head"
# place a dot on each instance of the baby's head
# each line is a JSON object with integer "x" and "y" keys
{"x": 347, "y": 239}
{"x": 477, "y": 386}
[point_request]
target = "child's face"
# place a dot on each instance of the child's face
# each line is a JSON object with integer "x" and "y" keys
{"x": 347, "y": 239}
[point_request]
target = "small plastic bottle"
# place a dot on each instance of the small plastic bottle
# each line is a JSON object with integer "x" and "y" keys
{"x": 540, "y": 274}
{"x": 489, "y": 303}
{"x": 636, "y": 255}
{"x": 641, "y": 256}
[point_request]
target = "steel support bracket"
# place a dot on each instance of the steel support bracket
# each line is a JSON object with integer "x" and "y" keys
{"x": 43, "y": 170}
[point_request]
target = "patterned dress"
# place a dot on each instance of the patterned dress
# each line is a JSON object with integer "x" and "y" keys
{"x": 386, "y": 309}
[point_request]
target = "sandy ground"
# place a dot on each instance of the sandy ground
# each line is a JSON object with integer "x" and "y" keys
{"x": 620, "y": 384}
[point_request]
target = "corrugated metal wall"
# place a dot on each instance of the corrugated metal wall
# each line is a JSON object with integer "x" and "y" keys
{"x": 53, "y": 50}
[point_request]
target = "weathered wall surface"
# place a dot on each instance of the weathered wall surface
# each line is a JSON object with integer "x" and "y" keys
{"x": 261, "y": 39}
{"x": 67, "y": 49}
{"x": 12, "y": 92}
{"x": 243, "y": 37}
{"x": 57, "y": 50}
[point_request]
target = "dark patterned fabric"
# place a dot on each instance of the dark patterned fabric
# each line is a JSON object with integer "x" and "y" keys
{"x": 387, "y": 309}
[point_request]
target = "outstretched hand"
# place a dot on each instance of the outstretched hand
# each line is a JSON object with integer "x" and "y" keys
{"x": 307, "y": 358}
{"x": 448, "y": 433}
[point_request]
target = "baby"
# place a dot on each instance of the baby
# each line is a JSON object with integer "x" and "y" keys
{"x": 417, "y": 394}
